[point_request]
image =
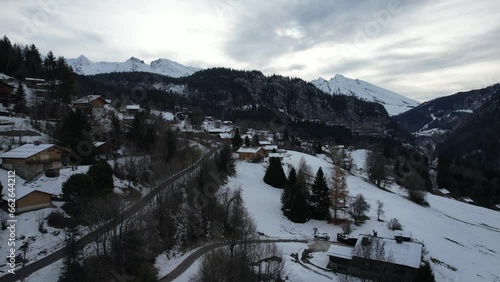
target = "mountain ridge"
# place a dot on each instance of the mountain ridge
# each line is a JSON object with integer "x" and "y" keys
{"x": 84, "y": 66}
{"x": 393, "y": 102}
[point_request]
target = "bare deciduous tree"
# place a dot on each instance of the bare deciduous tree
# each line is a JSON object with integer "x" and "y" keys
{"x": 375, "y": 166}
{"x": 339, "y": 190}
{"x": 359, "y": 207}
{"x": 380, "y": 209}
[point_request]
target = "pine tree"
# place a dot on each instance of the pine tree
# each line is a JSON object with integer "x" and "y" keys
{"x": 237, "y": 141}
{"x": 247, "y": 141}
{"x": 320, "y": 197}
{"x": 20, "y": 94}
{"x": 287, "y": 192}
{"x": 339, "y": 190}
{"x": 275, "y": 176}
{"x": 299, "y": 212}
{"x": 20, "y": 97}
{"x": 255, "y": 141}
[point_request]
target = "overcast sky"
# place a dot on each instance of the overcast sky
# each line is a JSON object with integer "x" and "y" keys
{"x": 421, "y": 49}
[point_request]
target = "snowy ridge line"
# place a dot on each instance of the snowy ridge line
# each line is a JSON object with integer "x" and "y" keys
{"x": 88, "y": 238}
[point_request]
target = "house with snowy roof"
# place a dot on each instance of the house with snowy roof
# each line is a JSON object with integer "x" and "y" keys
{"x": 28, "y": 199}
{"x": 30, "y": 160}
{"x": 251, "y": 153}
{"x": 442, "y": 192}
{"x": 6, "y": 92}
{"x": 90, "y": 101}
{"x": 132, "y": 109}
{"x": 399, "y": 260}
{"x": 103, "y": 151}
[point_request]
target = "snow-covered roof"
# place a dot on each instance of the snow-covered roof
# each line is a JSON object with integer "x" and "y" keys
{"x": 497, "y": 206}
{"x": 25, "y": 151}
{"x": 402, "y": 233}
{"x": 218, "y": 130}
{"x": 270, "y": 147}
{"x": 340, "y": 251}
{"x": 249, "y": 150}
{"x": 467, "y": 200}
{"x": 404, "y": 253}
{"x": 98, "y": 144}
{"x": 87, "y": 99}
{"x": 35, "y": 79}
{"x": 133, "y": 107}
{"x": 263, "y": 142}
{"x": 225, "y": 135}
{"x": 21, "y": 193}
{"x": 4, "y": 76}
{"x": 443, "y": 191}
{"x": 278, "y": 155}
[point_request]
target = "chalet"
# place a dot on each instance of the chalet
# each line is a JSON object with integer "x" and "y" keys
{"x": 442, "y": 192}
{"x": 28, "y": 199}
{"x": 103, "y": 151}
{"x": 251, "y": 153}
{"x": 30, "y": 160}
{"x": 36, "y": 83}
{"x": 6, "y": 93}
{"x": 400, "y": 263}
{"x": 132, "y": 109}
{"x": 90, "y": 101}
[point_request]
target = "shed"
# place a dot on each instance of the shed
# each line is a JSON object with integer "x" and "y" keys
{"x": 28, "y": 199}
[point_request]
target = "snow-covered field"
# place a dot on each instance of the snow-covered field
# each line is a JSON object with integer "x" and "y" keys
{"x": 462, "y": 239}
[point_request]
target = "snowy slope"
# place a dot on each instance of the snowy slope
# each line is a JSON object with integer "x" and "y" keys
{"x": 340, "y": 85}
{"x": 84, "y": 66}
{"x": 459, "y": 235}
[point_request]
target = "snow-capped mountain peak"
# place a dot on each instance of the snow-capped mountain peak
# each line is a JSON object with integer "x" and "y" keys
{"x": 340, "y": 85}
{"x": 135, "y": 60}
{"x": 84, "y": 66}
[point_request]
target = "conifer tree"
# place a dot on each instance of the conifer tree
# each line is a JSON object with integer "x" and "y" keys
{"x": 287, "y": 192}
{"x": 299, "y": 212}
{"x": 320, "y": 197}
{"x": 247, "y": 141}
{"x": 237, "y": 141}
{"x": 275, "y": 176}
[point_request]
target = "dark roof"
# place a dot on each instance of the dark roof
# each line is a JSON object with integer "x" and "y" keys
{"x": 6, "y": 84}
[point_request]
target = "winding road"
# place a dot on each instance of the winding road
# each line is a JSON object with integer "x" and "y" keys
{"x": 89, "y": 238}
{"x": 187, "y": 262}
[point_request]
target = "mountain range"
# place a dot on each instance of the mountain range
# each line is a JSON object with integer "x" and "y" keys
{"x": 340, "y": 85}
{"x": 82, "y": 65}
